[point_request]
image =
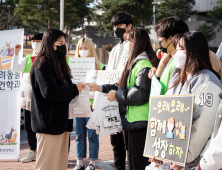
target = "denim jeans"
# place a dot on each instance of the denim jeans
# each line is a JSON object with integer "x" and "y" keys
{"x": 81, "y": 131}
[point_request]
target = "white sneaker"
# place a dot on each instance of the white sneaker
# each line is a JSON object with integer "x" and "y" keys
{"x": 31, "y": 157}
{"x": 90, "y": 167}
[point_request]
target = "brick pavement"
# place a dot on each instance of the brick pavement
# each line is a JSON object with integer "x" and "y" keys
{"x": 105, "y": 154}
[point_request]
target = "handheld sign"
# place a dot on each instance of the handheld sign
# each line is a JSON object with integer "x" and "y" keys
{"x": 155, "y": 87}
{"x": 169, "y": 128}
{"x": 108, "y": 77}
{"x": 79, "y": 68}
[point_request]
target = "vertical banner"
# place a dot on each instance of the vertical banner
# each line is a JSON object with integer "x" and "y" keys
{"x": 79, "y": 68}
{"x": 169, "y": 128}
{"x": 9, "y": 85}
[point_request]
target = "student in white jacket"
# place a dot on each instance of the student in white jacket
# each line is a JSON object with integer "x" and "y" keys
{"x": 121, "y": 22}
{"x": 194, "y": 75}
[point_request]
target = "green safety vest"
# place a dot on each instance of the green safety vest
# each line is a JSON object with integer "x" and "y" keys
{"x": 137, "y": 113}
{"x": 165, "y": 77}
{"x": 29, "y": 63}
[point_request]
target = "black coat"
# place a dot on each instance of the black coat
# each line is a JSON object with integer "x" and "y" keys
{"x": 132, "y": 97}
{"x": 50, "y": 100}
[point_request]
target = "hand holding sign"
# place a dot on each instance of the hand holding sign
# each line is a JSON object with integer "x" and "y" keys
{"x": 152, "y": 72}
{"x": 174, "y": 166}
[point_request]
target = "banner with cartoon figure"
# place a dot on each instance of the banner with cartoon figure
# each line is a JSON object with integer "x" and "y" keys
{"x": 169, "y": 128}
{"x": 9, "y": 85}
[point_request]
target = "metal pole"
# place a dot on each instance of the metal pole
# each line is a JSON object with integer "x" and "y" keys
{"x": 61, "y": 15}
{"x": 154, "y": 22}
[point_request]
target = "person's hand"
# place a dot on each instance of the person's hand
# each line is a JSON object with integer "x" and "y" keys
{"x": 198, "y": 167}
{"x": 93, "y": 87}
{"x": 17, "y": 48}
{"x": 174, "y": 166}
{"x": 111, "y": 95}
{"x": 80, "y": 86}
{"x": 156, "y": 162}
{"x": 152, "y": 72}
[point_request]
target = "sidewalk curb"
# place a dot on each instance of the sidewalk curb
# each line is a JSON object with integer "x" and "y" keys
{"x": 105, "y": 165}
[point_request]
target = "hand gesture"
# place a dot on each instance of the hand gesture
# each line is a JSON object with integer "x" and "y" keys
{"x": 156, "y": 162}
{"x": 198, "y": 167}
{"x": 93, "y": 87}
{"x": 174, "y": 166}
{"x": 17, "y": 48}
{"x": 111, "y": 95}
{"x": 152, "y": 72}
{"x": 80, "y": 86}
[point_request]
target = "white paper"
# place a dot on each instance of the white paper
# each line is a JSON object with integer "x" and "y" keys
{"x": 79, "y": 68}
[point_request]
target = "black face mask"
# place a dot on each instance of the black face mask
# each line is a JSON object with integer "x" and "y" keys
{"x": 164, "y": 50}
{"x": 119, "y": 32}
{"x": 61, "y": 51}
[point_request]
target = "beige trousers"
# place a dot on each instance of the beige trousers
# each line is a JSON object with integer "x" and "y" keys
{"x": 52, "y": 151}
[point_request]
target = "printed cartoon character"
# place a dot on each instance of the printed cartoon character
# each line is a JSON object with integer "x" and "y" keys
{"x": 7, "y": 47}
{"x": 182, "y": 134}
{"x": 9, "y": 136}
{"x": 170, "y": 126}
{"x": 13, "y": 139}
{"x": 11, "y": 52}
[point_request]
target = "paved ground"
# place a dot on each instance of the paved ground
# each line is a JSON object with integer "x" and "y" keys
{"x": 105, "y": 156}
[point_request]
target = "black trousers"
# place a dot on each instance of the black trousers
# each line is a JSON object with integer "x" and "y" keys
{"x": 31, "y": 136}
{"x": 136, "y": 143}
{"x": 119, "y": 150}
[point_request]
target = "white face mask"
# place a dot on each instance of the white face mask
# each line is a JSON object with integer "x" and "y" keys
{"x": 84, "y": 53}
{"x": 36, "y": 46}
{"x": 180, "y": 59}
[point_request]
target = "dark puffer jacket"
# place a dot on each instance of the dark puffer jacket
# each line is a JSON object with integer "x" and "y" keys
{"x": 135, "y": 96}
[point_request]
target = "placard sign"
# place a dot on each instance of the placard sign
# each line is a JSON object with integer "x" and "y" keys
{"x": 169, "y": 128}
{"x": 155, "y": 87}
{"x": 108, "y": 76}
{"x": 79, "y": 68}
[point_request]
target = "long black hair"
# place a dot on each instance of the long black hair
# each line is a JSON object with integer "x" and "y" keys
{"x": 49, "y": 38}
{"x": 198, "y": 57}
{"x": 140, "y": 43}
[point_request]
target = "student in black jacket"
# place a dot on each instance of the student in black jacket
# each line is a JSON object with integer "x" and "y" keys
{"x": 52, "y": 92}
{"x": 132, "y": 94}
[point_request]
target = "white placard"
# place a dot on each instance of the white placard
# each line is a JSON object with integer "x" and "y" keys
{"x": 79, "y": 68}
{"x": 108, "y": 76}
{"x": 9, "y": 85}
